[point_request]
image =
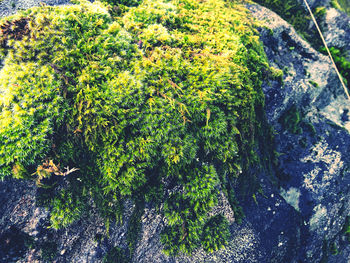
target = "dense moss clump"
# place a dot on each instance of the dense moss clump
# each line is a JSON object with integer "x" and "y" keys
{"x": 157, "y": 102}
{"x": 342, "y": 63}
{"x": 123, "y": 2}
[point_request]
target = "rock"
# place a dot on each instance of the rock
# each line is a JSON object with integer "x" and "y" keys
{"x": 335, "y": 25}
{"x": 10, "y": 7}
{"x": 149, "y": 248}
{"x": 336, "y": 28}
{"x": 298, "y": 218}
{"x": 314, "y": 159}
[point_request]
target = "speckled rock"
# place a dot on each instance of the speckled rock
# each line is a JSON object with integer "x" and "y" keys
{"x": 313, "y": 155}
{"x": 149, "y": 248}
{"x": 336, "y": 29}
{"x": 298, "y": 217}
{"x": 335, "y": 25}
{"x": 10, "y": 7}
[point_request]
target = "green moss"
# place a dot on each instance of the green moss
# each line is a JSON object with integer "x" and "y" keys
{"x": 346, "y": 228}
{"x": 310, "y": 127}
{"x": 123, "y": 2}
{"x": 313, "y": 83}
{"x": 215, "y": 233}
{"x": 291, "y": 120}
{"x": 134, "y": 226}
{"x": 236, "y": 208}
{"x": 333, "y": 249}
{"x": 168, "y": 91}
{"x": 66, "y": 208}
{"x": 320, "y": 12}
{"x": 342, "y": 5}
{"x": 294, "y": 121}
{"x": 343, "y": 64}
{"x": 335, "y": 4}
{"x": 277, "y": 74}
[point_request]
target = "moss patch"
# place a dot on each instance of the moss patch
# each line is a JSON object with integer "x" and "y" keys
{"x": 342, "y": 63}
{"x": 159, "y": 96}
{"x": 343, "y": 5}
{"x": 291, "y": 120}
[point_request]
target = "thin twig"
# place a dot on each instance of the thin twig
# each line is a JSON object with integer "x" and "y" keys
{"x": 326, "y": 46}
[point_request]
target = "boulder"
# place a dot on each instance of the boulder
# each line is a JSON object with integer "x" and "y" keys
{"x": 302, "y": 210}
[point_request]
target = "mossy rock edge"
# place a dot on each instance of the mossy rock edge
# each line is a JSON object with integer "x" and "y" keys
{"x": 167, "y": 91}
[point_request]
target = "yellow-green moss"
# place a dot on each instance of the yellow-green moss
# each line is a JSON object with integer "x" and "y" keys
{"x": 165, "y": 92}
{"x": 343, "y": 5}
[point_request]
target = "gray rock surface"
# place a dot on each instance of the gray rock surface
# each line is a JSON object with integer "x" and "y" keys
{"x": 10, "y": 7}
{"x": 335, "y": 25}
{"x": 297, "y": 218}
{"x": 314, "y": 160}
{"x": 336, "y": 28}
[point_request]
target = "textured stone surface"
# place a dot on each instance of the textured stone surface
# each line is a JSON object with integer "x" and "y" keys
{"x": 336, "y": 28}
{"x": 294, "y": 219}
{"x": 10, "y": 7}
{"x": 335, "y": 25}
{"x": 314, "y": 161}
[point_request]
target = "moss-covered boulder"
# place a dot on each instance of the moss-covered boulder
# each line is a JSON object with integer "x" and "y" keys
{"x": 156, "y": 103}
